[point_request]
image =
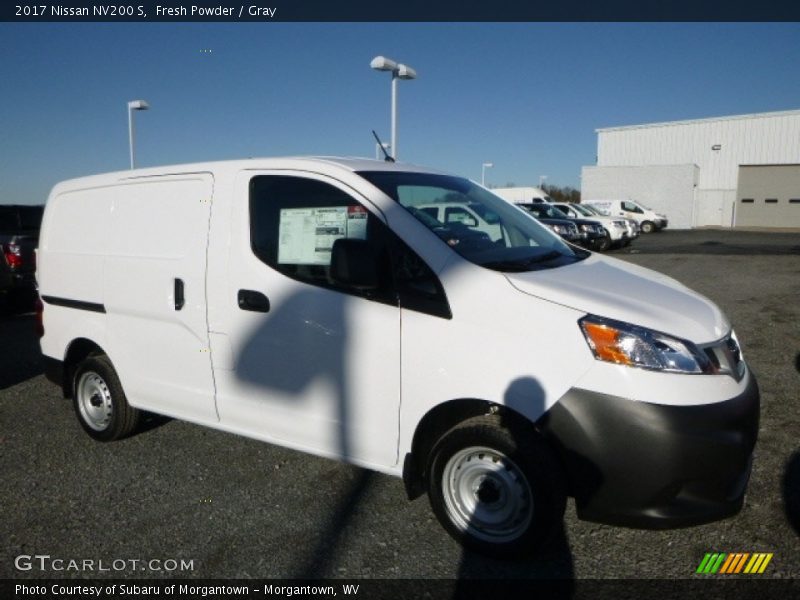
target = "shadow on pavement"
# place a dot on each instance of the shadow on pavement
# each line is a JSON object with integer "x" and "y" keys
{"x": 715, "y": 242}
{"x": 555, "y": 562}
{"x": 20, "y": 357}
{"x": 791, "y": 491}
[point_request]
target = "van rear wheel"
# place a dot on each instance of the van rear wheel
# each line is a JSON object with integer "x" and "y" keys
{"x": 494, "y": 492}
{"x": 100, "y": 404}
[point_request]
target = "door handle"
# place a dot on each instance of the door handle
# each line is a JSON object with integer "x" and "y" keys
{"x": 180, "y": 300}
{"x": 252, "y": 300}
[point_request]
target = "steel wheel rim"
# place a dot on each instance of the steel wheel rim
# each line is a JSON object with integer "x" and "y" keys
{"x": 487, "y": 495}
{"x": 94, "y": 401}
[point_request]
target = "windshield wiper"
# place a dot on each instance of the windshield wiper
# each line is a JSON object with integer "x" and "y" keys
{"x": 522, "y": 264}
{"x": 545, "y": 257}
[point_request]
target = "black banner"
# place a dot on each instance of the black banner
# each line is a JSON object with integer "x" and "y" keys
{"x": 408, "y": 11}
{"x": 708, "y": 588}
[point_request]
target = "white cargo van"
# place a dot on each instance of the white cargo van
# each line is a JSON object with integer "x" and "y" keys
{"x": 522, "y": 195}
{"x": 649, "y": 220}
{"x": 310, "y": 303}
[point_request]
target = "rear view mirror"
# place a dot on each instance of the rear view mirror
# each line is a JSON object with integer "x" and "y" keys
{"x": 354, "y": 264}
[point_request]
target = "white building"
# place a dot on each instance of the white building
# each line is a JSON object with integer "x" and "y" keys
{"x": 725, "y": 171}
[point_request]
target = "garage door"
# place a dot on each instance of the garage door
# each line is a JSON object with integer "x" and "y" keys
{"x": 768, "y": 196}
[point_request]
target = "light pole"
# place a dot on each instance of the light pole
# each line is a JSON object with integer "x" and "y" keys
{"x": 483, "y": 172}
{"x": 541, "y": 180}
{"x": 399, "y": 71}
{"x": 132, "y": 106}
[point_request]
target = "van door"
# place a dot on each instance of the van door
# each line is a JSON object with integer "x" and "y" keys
{"x": 312, "y": 365}
{"x": 155, "y": 296}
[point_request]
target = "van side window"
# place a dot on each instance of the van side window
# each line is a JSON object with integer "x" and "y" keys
{"x": 295, "y": 221}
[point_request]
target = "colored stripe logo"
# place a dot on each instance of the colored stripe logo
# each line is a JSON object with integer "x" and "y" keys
{"x": 734, "y": 563}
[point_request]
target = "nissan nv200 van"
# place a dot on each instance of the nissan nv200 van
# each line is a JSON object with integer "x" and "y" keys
{"x": 649, "y": 220}
{"x": 310, "y": 303}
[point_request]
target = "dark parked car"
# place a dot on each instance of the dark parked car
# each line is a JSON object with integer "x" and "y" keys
{"x": 19, "y": 237}
{"x": 591, "y": 234}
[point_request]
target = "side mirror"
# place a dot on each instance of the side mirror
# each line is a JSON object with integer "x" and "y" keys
{"x": 354, "y": 264}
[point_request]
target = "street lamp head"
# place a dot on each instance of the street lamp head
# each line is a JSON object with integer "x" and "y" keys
{"x": 138, "y": 105}
{"x": 488, "y": 165}
{"x": 405, "y": 72}
{"x": 381, "y": 63}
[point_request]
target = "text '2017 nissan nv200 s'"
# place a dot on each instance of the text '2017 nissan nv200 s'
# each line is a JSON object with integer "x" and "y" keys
{"x": 309, "y": 302}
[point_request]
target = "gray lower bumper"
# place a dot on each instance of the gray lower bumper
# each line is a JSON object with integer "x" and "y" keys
{"x": 654, "y": 466}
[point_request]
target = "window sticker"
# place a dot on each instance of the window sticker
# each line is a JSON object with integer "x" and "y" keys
{"x": 306, "y": 235}
{"x": 357, "y": 222}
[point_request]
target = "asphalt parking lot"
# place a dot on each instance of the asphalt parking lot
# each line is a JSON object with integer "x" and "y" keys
{"x": 239, "y": 508}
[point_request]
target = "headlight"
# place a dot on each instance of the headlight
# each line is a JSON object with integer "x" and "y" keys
{"x": 634, "y": 346}
{"x": 559, "y": 229}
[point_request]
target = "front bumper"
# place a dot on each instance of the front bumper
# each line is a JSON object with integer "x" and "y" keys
{"x": 574, "y": 238}
{"x": 654, "y": 466}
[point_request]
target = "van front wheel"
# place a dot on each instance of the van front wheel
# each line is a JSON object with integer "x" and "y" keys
{"x": 495, "y": 492}
{"x": 100, "y": 404}
{"x": 648, "y": 227}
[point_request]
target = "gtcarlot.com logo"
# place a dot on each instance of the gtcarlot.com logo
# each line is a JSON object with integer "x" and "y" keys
{"x": 45, "y": 562}
{"x": 734, "y": 563}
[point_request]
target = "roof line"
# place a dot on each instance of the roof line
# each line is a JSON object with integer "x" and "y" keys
{"x": 781, "y": 113}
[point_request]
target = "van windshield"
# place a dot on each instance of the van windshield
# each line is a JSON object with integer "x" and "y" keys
{"x": 480, "y": 226}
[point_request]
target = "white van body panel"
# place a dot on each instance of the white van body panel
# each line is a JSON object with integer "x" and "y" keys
{"x": 297, "y": 374}
{"x": 615, "y": 289}
{"x": 72, "y": 254}
{"x": 522, "y": 368}
{"x": 122, "y": 246}
{"x": 659, "y": 388}
{"x": 159, "y": 234}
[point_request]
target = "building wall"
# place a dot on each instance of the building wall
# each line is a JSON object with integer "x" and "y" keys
{"x": 666, "y": 189}
{"x": 717, "y": 147}
{"x": 768, "y": 138}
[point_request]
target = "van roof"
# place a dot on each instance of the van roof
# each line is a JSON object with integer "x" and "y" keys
{"x": 324, "y": 164}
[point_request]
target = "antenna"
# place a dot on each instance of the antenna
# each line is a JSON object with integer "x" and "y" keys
{"x": 383, "y": 148}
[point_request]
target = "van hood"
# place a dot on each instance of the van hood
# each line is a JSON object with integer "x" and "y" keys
{"x": 614, "y": 289}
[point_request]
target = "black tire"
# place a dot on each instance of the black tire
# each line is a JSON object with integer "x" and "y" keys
{"x": 99, "y": 402}
{"x": 603, "y": 244}
{"x": 497, "y": 493}
{"x": 648, "y": 227}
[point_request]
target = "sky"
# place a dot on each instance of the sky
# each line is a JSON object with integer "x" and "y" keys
{"x": 526, "y": 97}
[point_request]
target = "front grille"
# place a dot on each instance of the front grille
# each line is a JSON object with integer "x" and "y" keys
{"x": 726, "y": 356}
